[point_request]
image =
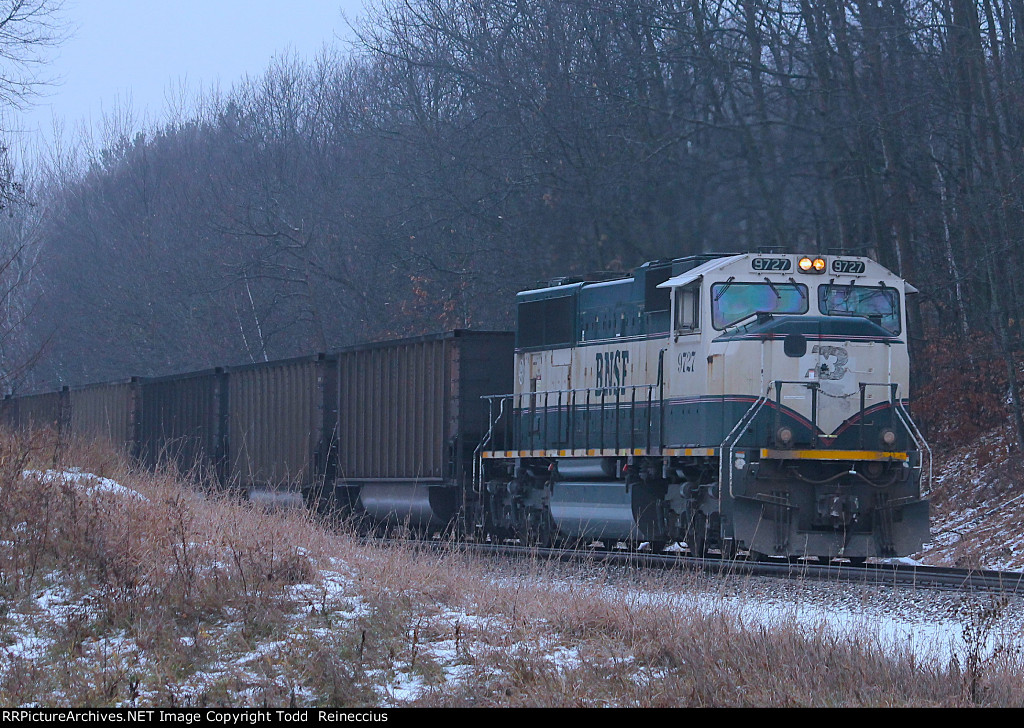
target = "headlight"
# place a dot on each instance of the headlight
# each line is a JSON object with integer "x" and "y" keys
{"x": 811, "y": 265}
{"x": 784, "y": 436}
{"x": 888, "y": 437}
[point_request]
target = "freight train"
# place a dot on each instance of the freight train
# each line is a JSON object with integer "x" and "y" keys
{"x": 730, "y": 404}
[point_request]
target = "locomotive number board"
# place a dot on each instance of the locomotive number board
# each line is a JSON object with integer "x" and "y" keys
{"x": 847, "y": 266}
{"x": 771, "y": 264}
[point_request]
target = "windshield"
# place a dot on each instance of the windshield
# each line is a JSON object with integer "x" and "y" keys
{"x": 731, "y": 302}
{"x": 881, "y": 305}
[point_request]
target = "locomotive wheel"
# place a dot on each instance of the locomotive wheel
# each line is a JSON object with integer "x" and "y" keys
{"x": 540, "y": 530}
{"x": 648, "y": 502}
{"x": 697, "y": 535}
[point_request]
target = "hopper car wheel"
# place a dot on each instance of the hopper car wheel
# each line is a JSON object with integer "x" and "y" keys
{"x": 657, "y": 547}
{"x": 316, "y": 500}
{"x": 335, "y": 503}
{"x": 729, "y": 549}
{"x": 769, "y": 558}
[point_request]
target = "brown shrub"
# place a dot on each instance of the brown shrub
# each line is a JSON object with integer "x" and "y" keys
{"x": 960, "y": 388}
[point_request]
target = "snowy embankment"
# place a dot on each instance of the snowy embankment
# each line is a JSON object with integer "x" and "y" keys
{"x": 977, "y": 502}
{"x": 284, "y": 611}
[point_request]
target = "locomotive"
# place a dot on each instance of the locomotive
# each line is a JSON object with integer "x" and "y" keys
{"x": 753, "y": 403}
{"x": 732, "y": 404}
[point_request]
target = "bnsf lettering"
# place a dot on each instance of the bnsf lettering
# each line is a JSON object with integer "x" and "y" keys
{"x": 610, "y": 373}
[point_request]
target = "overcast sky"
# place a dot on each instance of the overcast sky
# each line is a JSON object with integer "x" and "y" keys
{"x": 131, "y": 52}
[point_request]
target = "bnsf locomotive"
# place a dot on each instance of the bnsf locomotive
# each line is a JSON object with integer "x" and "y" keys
{"x": 736, "y": 404}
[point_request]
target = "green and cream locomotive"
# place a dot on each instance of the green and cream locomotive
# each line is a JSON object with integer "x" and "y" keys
{"x": 744, "y": 403}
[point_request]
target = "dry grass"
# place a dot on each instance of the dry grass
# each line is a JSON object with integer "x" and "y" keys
{"x": 153, "y": 570}
{"x": 175, "y": 595}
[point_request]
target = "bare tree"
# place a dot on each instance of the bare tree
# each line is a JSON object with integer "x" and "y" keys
{"x": 467, "y": 149}
{"x": 29, "y": 29}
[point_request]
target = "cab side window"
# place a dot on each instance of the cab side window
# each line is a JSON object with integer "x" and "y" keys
{"x": 688, "y": 309}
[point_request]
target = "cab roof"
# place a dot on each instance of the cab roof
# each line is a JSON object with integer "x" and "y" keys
{"x": 701, "y": 270}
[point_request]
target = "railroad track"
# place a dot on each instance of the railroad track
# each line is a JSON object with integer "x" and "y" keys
{"x": 879, "y": 574}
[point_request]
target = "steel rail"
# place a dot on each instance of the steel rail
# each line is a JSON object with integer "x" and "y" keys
{"x": 892, "y": 574}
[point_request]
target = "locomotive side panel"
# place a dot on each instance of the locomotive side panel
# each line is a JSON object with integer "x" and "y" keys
{"x": 600, "y": 396}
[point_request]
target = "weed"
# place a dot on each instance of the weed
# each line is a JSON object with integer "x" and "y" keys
{"x": 975, "y": 660}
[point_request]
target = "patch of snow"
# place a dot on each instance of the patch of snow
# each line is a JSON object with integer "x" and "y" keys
{"x": 902, "y": 560}
{"x": 87, "y": 482}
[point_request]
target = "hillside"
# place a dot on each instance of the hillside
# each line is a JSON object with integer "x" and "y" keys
{"x": 978, "y": 505}
{"x": 963, "y": 403}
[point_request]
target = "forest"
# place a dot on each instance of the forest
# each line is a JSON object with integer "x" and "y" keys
{"x": 461, "y": 150}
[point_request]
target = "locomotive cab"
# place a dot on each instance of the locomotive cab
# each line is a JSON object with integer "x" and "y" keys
{"x": 807, "y": 371}
{"x": 744, "y": 402}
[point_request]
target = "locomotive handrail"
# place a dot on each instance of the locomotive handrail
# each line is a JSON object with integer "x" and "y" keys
{"x": 744, "y": 423}
{"x": 890, "y": 386}
{"x": 728, "y": 447}
{"x": 915, "y": 433}
{"x": 905, "y": 419}
{"x": 738, "y": 430}
{"x": 477, "y": 461}
{"x": 609, "y": 397}
{"x": 814, "y": 386}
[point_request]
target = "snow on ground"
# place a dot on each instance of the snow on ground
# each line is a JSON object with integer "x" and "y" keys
{"x": 929, "y": 624}
{"x": 926, "y": 624}
{"x": 87, "y": 482}
{"x": 978, "y": 506}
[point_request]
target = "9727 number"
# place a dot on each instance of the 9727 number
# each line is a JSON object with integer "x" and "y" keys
{"x": 847, "y": 266}
{"x": 775, "y": 264}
